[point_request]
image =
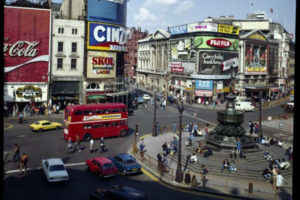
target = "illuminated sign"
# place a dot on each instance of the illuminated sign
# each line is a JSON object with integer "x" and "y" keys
{"x": 106, "y": 37}
{"x": 202, "y": 27}
{"x": 175, "y": 30}
{"x": 219, "y": 43}
{"x": 204, "y": 85}
{"x": 102, "y": 117}
{"x": 257, "y": 36}
{"x": 101, "y": 64}
{"x": 256, "y": 59}
{"x": 222, "y": 28}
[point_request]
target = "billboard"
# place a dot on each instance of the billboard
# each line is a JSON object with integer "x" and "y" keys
{"x": 209, "y": 42}
{"x": 175, "y": 30}
{"x": 223, "y": 28}
{"x": 204, "y": 85}
{"x": 256, "y": 61}
{"x": 202, "y": 27}
{"x": 26, "y": 44}
{"x": 217, "y": 62}
{"x": 101, "y": 64}
{"x": 108, "y": 37}
{"x": 109, "y": 11}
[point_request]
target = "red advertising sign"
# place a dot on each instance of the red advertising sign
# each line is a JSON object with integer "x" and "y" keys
{"x": 219, "y": 43}
{"x": 26, "y": 44}
{"x": 177, "y": 69}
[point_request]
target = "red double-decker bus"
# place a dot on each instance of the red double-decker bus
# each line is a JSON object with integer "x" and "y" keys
{"x": 95, "y": 121}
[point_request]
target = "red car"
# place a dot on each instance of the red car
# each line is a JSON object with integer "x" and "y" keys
{"x": 102, "y": 166}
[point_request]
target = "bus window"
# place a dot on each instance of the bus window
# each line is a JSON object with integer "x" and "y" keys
{"x": 96, "y": 125}
{"x": 78, "y": 112}
{"x": 124, "y": 110}
{"x": 115, "y": 124}
{"x": 88, "y": 112}
{"x": 106, "y": 124}
{"x": 122, "y": 122}
{"x": 106, "y": 111}
{"x": 88, "y": 126}
{"x": 115, "y": 110}
{"x": 98, "y": 111}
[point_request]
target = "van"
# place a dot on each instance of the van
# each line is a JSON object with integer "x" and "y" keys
{"x": 244, "y": 106}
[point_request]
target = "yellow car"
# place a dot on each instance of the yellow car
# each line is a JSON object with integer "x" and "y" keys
{"x": 44, "y": 125}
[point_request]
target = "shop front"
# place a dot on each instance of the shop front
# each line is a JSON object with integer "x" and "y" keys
{"x": 65, "y": 92}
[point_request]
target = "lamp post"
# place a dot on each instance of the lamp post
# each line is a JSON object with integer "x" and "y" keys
{"x": 260, "y": 105}
{"x": 179, "y": 175}
{"x": 154, "y": 117}
{"x": 135, "y": 139}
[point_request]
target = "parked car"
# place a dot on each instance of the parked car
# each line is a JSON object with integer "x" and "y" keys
{"x": 54, "y": 170}
{"x": 146, "y": 97}
{"x": 44, "y": 125}
{"x": 140, "y": 100}
{"x": 102, "y": 166}
{"x": 126, "y": 164}
{"x": 244, "y": 106}
{"x": 117, "y": 192}
{"x": 171, "y": 99}
{"x": 159, "y": 97}
{"x": 289, "y": 107}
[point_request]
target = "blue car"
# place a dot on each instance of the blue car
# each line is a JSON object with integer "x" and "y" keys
{"x": 126, "y": 164}
{"x": 140, "y": 100}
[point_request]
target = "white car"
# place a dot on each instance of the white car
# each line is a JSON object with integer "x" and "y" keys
{"x": 244, "y": 106}
{"x": 54, "y": 170}
{"x": 146, "y": 97}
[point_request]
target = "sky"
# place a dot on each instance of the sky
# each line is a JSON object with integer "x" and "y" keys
{"x": 152, "y": 15}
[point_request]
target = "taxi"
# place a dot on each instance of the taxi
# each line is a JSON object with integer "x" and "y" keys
{"x": 44, "y": 125}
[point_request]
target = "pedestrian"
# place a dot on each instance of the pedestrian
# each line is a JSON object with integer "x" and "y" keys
{"x": 275, "y": 173}
{"x": 142, "y": 146}
{"x": 206, "y": 131}
{"x": 279, "y": 181}
{"x": 251, "y": 125}
{"x": 165, "y": 148}
{"x": 195, "y": 129}
{"x": 204, "y": 173}
{"x": 57, "y": 108}
{"x": 164, "y": 104}
{"x": 78, "y": 143}
{"x": 159, "y": 162}
{"x": 288, "y": 151}
{"x": 91, "y": 145}
{"x": 20, "y": 118}
{"x": 193, "y": 158}
{"x": 191, "y": 139}
{"x": 194, "y": 182}
{"x": 23, "y": 163}
{"x": 238, "y": 147}
{"x": 70, "y": 145}
{"x": 174, "y": 127}
{"x": 225, "y": 165}
{"x": 256, "y": 129}
{"x": 190, "y": 127}
{"x": 187, "y": 178}
{"x": 102, "y": 145}
{"x": 16, "y": 156}
{"x": 165, "y": 163}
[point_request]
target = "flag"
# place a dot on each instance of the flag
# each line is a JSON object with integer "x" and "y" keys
{"x": 271, "y": 10}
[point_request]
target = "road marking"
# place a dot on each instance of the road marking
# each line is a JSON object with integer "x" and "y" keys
{"x": 8, "y": 126}
{"x": 197, "y": 118}
{"x": 150, "y": 175}
{"x": 38, "y": 168}
{"x": 146, "y": 135}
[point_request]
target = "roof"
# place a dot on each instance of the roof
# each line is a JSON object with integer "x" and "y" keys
{"x": 42, "y": 121}
{"x": 93, "y": 106}
{"x": 55, "y": 161}
{"x": 125, "y": 156}
{"x": 102, "y": 159}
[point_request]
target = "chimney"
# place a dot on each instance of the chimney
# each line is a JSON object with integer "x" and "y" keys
{"x": 70, "y": 9}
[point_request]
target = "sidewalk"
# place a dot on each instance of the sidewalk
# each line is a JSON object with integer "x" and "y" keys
{"x": 215, "y": 182}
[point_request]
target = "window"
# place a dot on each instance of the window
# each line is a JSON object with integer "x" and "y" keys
{"x": 88, "y": 126}
{"x": 60, "y": 46}
{"x": 60, "y": 30}
{"x": 97, "y": 126}
{"x": 59, "y": 63}
{"x": 73, "y": 63}
{"x": 106, "y": 124}
{"x": 98, "y": 111}
{"x": 74, "y": 31}
{"x": 115, "y": 110}
{"x": 78, "y": 112}
{"x": 106, "y": 111}
{"x": 88, "y": 112}
{"x": 74, "y": 47}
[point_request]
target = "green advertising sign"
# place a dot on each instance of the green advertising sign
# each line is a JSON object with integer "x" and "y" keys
{"x": 208, "y": 42}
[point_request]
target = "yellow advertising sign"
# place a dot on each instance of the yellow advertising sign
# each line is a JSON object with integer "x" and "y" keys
{"x": 257, "y": 36}
{"x": 222, "y": 28}
{"x": 101, "y": 117}
{"x": 257, "y": 69}
{"x": 101, "y": 64}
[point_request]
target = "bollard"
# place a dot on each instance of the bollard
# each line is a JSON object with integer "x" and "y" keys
{"x": 250, "y": 187}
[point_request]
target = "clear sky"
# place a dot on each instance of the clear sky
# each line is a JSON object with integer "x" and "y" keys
{"x": 152, "y": 15}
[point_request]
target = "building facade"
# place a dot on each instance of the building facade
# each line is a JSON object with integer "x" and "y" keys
{"x": 67, "y": 61}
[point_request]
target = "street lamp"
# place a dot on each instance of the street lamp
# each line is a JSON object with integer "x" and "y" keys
{"x": 260, "y": 104}
{"x": 179, "y": 175}
{"x": 135, "y": 149}
{"x": 154, "y": 133}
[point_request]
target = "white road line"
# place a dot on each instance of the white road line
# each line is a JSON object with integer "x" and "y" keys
{"x": 197, "y": 118}
{"x": 38, "y": 168}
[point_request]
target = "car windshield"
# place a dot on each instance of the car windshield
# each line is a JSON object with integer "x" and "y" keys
{"x": 108, "y": 165}
{"x": 37, "y": 123}
{"x": 130, "y": 161}
{"x": 57, "y": 168}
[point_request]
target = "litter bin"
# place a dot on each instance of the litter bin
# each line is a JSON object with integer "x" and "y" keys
{"x": 250, "y": 187}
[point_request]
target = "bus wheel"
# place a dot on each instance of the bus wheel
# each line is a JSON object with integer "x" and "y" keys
{"x": 123, "y": 133}
{"x": 87, "y": 137}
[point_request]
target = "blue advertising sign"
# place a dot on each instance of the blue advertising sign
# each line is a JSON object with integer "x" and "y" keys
{"x": 109, "y": 11}
{"x": 204, "y": 85}
{"x": 106, "y": 37}
{"x": 174, "y": 30}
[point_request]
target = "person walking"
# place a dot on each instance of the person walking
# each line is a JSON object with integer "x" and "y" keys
{"x": 70, "y": 145}
{"x": 159, "y": 162}
{"x": 157, "y": 128}
{"x": 102, "y": 145}
{"x": 23, "y": 163}
{"x": 20, "y": 118}
{"x": 91, "y": 145}
{"x": 174, "y": 127}
{"x": 187, "y": 178}
{"x": 279, "y": 181}
{"x": 251, "y": 126}
{"x": 16, "y": 156}
{"x": 275, "y": 173}
{"x": 78, "y": 143}
{"x": 195, "y": 131}
{"x": 165, "y": 163}
{"x": 238, "y": 147}
{"x": 164, "y": 104}
{"x": 206, "y": 131}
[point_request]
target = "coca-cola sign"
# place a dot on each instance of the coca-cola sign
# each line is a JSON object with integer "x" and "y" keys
{"x": 26, "y": 44}
{"x": 219, "y": 43}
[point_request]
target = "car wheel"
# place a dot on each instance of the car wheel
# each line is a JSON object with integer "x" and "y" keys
{"x": 123, "y": 172}
{"x": 40, "y": 130}
{"x": 87, "y": 137}
{"x": 87, "y": 168}
{"x": 100, "y": 175}
{"x": 57, "y": 127}
{"x": 123, "y": 133}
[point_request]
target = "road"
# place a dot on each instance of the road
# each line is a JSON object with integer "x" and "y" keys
{"x": 51, "y": 144}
